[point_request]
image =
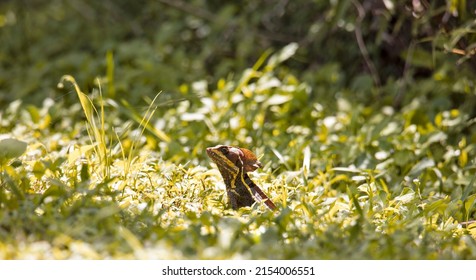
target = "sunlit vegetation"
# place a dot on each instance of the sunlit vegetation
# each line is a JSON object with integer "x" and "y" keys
{"x": 364, "y": 122}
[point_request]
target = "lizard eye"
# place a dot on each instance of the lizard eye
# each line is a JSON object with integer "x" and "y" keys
{"x": 224, "y": 150}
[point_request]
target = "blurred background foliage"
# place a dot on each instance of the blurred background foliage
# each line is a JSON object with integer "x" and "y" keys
{"x": 378, "y": 49}
{"x": 363, "y": 113}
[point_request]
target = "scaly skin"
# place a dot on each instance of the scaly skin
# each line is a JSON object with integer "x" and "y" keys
{"x": 234, "y": 163}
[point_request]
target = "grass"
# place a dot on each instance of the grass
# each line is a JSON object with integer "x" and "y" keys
{"x": 350, "y": 181}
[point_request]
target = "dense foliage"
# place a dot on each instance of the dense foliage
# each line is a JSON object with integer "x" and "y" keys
{"x": 363, "y": 113}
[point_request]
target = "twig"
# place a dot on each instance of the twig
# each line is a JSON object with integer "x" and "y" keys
{"x": 466, "y": 224}
{"x": 361, "y": 43}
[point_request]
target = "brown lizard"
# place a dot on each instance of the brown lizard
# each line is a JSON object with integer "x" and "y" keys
{"x": 234, "y": 163}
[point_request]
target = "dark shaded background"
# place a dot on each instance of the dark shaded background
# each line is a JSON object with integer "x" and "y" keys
{"x": 378, "y": 49}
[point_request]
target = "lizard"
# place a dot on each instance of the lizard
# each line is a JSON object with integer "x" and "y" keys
{"x": 234, "y": 163}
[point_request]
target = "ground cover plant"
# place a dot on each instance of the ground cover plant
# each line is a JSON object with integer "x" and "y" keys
{"x": 109, "y": 163}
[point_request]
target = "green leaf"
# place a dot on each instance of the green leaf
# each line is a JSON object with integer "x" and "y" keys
{"x": 57, "y": 189}
{"x": 405, "y": 198}
{"x": 420, "y": 58}
{"x": 468, "y": 205}
{"x": 278, "y": 99}
{"x": 282, "y": 55}
{"x": 420, "y": 166}
{"x": 11, "y": 148}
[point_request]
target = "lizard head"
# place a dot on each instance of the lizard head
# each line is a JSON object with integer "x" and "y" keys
{"x": 239, "y": 157}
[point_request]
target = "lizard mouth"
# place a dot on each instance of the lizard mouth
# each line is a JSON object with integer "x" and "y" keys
{"x": 210, "y": 152}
